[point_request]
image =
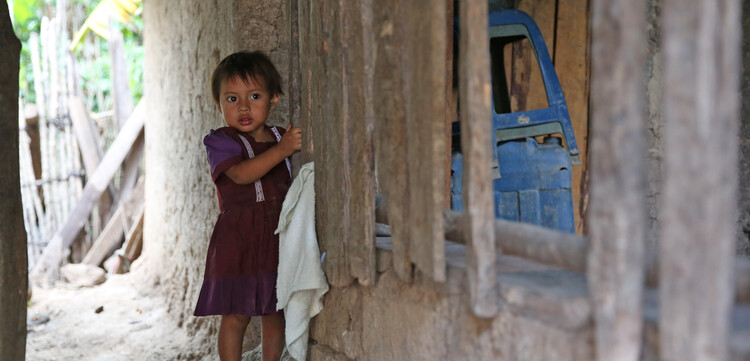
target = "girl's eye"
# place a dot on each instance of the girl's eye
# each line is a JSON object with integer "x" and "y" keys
{"x": 231, "y": 98}
{"x": 255, "y": 96}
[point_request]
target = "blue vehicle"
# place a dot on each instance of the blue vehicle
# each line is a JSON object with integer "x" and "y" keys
{"x": 532, "y": 179}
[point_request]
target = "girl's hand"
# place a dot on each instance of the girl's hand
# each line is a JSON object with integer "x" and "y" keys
{"x": 291, "y": 141}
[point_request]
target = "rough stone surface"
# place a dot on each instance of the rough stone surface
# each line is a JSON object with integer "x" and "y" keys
{"x": 397, "y": 321}
{"x": 83, "y": 275}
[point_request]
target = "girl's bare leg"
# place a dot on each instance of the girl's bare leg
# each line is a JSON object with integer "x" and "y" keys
{"x": 272, "y": 340}
{"x": 231, "y": 334}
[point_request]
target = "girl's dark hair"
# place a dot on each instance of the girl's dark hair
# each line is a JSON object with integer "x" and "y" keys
{"x": 246, "y": 65}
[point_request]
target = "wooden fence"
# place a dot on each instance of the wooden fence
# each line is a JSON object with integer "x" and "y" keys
{"x": 374, "y": 86}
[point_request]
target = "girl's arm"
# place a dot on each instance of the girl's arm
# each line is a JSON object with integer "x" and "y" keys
{"x": 250, "y": 170}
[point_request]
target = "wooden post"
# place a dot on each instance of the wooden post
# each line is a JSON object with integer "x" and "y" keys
{"x": 617, "y": 179}
{"x": 13, "y": 259}
{"x": 426, "y": 147}
{"x": 701, "y": 42}
{"x": 358, "y": 46}
{"x": 474, "y": 78}
{"x": 390, "y": 127}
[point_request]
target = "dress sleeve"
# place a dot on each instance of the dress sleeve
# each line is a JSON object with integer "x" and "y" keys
{"x": 222, "y": 152}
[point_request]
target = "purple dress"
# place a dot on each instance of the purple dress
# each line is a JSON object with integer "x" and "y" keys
{"x": 243, "y": 254}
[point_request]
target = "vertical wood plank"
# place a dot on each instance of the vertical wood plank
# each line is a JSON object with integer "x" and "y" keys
{"x": 357, "y": 52}
{"x": 474, "y": 78}
{"x": 617, "y": 206}
{"x": 701, "y": 42}
{"x": 334, "y": 146}
{"x": 572, "y": 65}
{"x": 427, "y": 46}
{"x": 390, "y": 127}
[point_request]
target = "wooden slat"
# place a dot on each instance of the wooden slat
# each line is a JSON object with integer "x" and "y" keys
{"x": 49, "y": 262}
{"x": 476, "y": 146}
{"x": 701, "y": 111}
{"x": 426, "y": 87}
{"x": 108, "y": 239}
{"x": 358, "y": 49}
{"x": 390, "y": 127}
{"x": 332, "y": 145}
{"x": 617, "y": 205}
{"x": 571, "y": 57}
{"x": 91, "y": 151}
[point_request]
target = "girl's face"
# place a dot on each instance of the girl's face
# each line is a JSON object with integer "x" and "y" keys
{"x": 245, "y": 104}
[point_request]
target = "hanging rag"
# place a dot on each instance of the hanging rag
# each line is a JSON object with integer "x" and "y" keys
{"x": 301, "y": 283}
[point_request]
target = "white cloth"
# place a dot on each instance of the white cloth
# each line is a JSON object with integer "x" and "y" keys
{"x": 301, "y": 283}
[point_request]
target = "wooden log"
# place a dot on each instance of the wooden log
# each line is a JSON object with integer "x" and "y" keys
{"x": 426, "y": 149}
{"x": 701, "y": 44}
{"x": 358, "y": 113}
{"x": 571, "y": 56}
{"x": 391, "y": 136}
{"x": 49, "y": 263}
{"x": 476, "y": 146}
{"x": 616, "y": 218}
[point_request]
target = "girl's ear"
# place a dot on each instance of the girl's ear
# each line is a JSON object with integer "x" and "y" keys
{"x": 218, "y": 107}
{"x": 275, "y": 100}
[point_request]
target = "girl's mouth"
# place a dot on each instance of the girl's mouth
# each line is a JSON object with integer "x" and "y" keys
{"x": 246, "y": 121}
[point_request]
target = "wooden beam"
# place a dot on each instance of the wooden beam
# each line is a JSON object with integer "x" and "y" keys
{"x": 358, "y": 49}
{"x": 701, "y": 44}
{"x": 391, "y": 136}
{"x": 616, "y": 218}
{"x": 426, "y": 146}
{"x": 476, "y": 146}
{"x": 49, "y": 263}
{"x": 108, "y": 239}
{"x": 91, "y": 151}
{"x": 295, "y": 80}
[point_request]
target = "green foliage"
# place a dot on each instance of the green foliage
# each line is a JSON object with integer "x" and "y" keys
{"x": 94, "y": 69}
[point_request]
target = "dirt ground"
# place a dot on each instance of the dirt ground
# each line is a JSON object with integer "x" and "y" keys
{"x": 118, "y": 320}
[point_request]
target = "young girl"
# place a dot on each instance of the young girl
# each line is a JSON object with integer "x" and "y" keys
{"x": 249, "y": 166}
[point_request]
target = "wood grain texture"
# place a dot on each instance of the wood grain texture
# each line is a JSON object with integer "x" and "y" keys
{"x": 701, "y": 44}
{"x": 358, "y": 48}
{"x": 617, "y": 205}
{"x": 390, "y": 127}
{"x": 426, "y": 146}
{"x": 474, "y": 92}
